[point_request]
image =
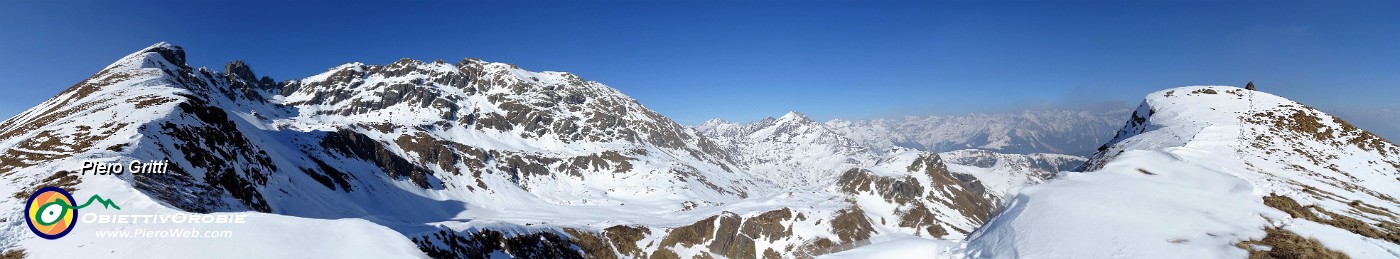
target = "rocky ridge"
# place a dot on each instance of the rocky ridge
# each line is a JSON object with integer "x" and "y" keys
{"x": 465, "y": 160}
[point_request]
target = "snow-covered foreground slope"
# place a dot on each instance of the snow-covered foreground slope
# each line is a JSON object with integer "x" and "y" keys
{"x": 1213, "y": 172}
{"x": 262, "y": 236}
{"x": 901, "y": 247}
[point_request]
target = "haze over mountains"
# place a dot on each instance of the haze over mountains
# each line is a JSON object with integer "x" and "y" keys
{"x": 477, "y": 159}
{"x": 1064, "y": 131}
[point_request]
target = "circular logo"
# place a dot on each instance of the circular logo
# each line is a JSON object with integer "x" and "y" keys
{"x": 50, "y": 212}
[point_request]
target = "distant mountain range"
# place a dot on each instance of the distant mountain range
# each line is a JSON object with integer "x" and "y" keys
{"x": 1384, "y": 122}
{"x": 1061, "y": 131}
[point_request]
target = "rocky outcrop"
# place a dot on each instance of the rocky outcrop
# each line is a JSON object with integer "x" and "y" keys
{"x": 351, "y": 144}
{"x": 482, "y": 244}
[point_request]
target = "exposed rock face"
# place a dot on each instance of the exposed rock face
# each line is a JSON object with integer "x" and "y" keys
{"x": 480, "y": 245}
{"x": 228, "y": 159}
{"x": 932, "y": 187}
{"x": 237, "y": 70}
{"x": 172, "y": 53}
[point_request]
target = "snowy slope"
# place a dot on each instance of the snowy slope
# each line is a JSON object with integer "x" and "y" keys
{"x": 901, "y": 247}
{"x": 1206, "y": 172}
{"x": 263, "y": 236}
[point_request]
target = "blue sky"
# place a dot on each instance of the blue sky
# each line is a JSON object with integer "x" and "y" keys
{"x": 745, "y": 60}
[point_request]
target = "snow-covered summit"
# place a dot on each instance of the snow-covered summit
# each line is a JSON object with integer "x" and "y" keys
{"x": 1213, "y": 171}
{"x": 792, "y": 150}
{"x": 795, "y": 117}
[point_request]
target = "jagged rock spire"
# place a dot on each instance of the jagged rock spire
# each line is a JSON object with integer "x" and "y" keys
{"x": 240, "y": 70}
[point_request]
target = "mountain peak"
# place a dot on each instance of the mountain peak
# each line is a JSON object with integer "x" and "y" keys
{"x": 794, "y": 116}
{"x": 1235, "y": 148}
{"x": 408, "y": 62}
{"x": 174, "y": 54}
{"x": 715, "y": 121}
{"x": 239, "y": 69}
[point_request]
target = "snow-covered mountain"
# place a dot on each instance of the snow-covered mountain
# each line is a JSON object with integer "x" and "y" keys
{"x": 801, "y": 154}
{"x": 1006, "y": 174}
{"x": 1057, "y": 131}
{"x": 797, "y": 151}
{"x": 457, "y": 160}
{"x": 792, "y": 150}
{"x": 477, "y": 159}
{"x": 1213, "y": 172}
